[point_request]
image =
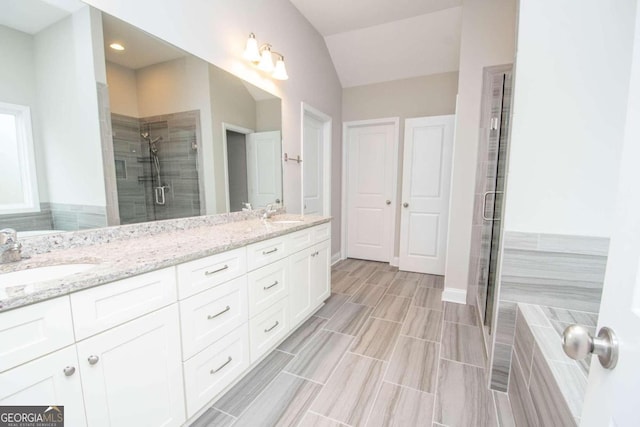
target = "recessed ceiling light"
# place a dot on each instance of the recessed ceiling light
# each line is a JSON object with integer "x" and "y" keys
{"x": 116, "y": 46}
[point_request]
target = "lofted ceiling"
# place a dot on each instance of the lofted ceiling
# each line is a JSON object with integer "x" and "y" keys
{"x": 33, "y": 16}
{"x": 373, "y": 41}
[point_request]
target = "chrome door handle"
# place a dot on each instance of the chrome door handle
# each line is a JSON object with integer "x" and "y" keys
{"x": 578, "y": 343}
{"x": 405, "y": 204}
{"x": 484, "y": 205}
{"x": 388, "y": 202}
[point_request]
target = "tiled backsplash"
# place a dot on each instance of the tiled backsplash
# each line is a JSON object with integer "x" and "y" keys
{"x": 565, "y": 272}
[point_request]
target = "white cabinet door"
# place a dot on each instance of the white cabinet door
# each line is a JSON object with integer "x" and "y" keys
{"x": 132, "y": 374}
{"x": 320, "y": 273}
{"x": 300, "y": 285}
{"x": 426, "y": 183}
{"x": 50, "y": 380}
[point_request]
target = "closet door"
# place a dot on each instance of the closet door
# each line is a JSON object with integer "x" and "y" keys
{"x": 426, "y": 182}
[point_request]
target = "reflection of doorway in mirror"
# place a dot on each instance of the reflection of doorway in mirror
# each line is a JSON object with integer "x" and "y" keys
{"x": 253, "y": 168}
{"x": 316, "y": 165}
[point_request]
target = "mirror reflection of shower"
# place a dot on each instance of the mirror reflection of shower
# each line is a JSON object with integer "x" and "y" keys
{"x": 160, "y": 188}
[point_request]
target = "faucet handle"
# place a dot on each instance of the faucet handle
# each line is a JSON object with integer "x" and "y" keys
{"x": 8, "y": 235}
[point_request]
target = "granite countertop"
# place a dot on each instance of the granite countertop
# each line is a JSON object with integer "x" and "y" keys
{"x": 120, "y": 259}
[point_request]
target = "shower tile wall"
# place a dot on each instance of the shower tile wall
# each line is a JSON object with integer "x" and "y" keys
{"x": 558, "y": 271}
{"x": 127, "y": 150}
{"x": 177, "y": 150}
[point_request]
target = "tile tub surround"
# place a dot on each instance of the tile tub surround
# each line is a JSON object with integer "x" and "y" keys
{"x": 333, "y": 371}
{"x": 546, "y": 386}
{"x": 121, "y": 252}
{"x": 566, "y": 272}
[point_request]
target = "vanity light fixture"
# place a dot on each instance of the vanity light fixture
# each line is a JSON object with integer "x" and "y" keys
{"x": 116, "y": 46}
{"x": 262, "y": 57}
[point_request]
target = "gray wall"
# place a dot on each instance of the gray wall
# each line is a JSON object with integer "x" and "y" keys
{"x": 432, "y": 95}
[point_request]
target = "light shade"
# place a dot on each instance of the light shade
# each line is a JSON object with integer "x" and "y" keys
{"x": 116, "y": 46}
{"x": 266, "y": 61}
{"x": 251, "y": 52}
{"x": 280, "y": 73}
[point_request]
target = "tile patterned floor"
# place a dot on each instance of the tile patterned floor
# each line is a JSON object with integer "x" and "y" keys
{"x": 383, "y": 351}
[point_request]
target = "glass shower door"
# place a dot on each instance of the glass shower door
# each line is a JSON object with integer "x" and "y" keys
{"x": 494, "y": 198}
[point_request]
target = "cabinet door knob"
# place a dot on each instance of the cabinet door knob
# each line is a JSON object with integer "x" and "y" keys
{"x": 93, "y": 359}
{"x": 405, "y": 204}
{"x": 69, "y": 370}
{"x": 388, "y": 202}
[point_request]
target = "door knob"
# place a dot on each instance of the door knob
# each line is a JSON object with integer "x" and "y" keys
{"x": 93, "y": 359}
{"x": 405, "y": 204}
{"x": 578, "y": 343}
{"x": 388, "y": 202}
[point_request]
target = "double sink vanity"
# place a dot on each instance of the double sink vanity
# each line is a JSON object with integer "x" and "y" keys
{"x": 149, "y": 324}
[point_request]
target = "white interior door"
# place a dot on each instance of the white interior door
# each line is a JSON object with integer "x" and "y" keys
{"x": 612, "y": 395}
{"x": 312, "y": 166}
{"x": 370, "y": 184}
{"x": 426, "y": 182}
{"x": 264, "y": 168}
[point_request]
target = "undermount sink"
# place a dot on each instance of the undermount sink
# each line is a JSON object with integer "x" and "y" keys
{"x": 286, "y": 221}
{"x": 41, "y": 274}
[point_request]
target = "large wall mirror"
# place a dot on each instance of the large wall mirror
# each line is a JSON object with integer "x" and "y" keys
{"x": 102, "y": 124}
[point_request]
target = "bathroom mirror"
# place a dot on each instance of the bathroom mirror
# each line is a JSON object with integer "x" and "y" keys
{"x": 106, "y": 125}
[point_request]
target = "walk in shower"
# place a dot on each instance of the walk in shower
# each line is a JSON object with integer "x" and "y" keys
{"x": 489, "y": 191}
{"x": 157, "y": 166}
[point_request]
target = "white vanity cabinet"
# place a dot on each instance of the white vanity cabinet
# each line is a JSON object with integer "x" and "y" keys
{"x": 310, "y": 280}
{"x": 50, "y": 380}
{"x": 132, "y": 374}
{"x": 156, "y": 348}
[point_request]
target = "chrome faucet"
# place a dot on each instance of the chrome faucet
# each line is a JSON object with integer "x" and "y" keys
{"x": 269, "y": 212}
{"x": 10, "y": 248}
{"x": 247, "y": 207}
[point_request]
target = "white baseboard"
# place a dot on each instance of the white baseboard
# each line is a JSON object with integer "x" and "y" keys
{"x": 395, "y": 261}
{"x": 459, "y": 296}
{"x": 336, "y": 258}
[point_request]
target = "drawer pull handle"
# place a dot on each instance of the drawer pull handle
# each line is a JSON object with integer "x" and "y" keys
{"x": 273, "y": 327}
{"x": 270, "y": 286}
{"x": 209, "y": 273}
{"x": 213, "y": 371}
{"x": 213, "y": 316}
{"x": 69, "y": 370}
{"x": 93, "y": 359}
{"x": 270, "y": 252}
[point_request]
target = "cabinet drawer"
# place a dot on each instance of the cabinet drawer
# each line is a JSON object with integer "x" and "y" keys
{"x": 104, "y": 307}
{"x": 267, "y": 285}
{"x": 213, "y": 369}
{"x": 44, "y": 382}
{"x": 321, "y": 232}
{"x": 210, "y": 315}
{"x": 29, "y": 332}
{"x": 202, "y": 274}
{"x": 268, "y": 328}
{"x": 263, "y": 253}
{"x": 299, "y": 240}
